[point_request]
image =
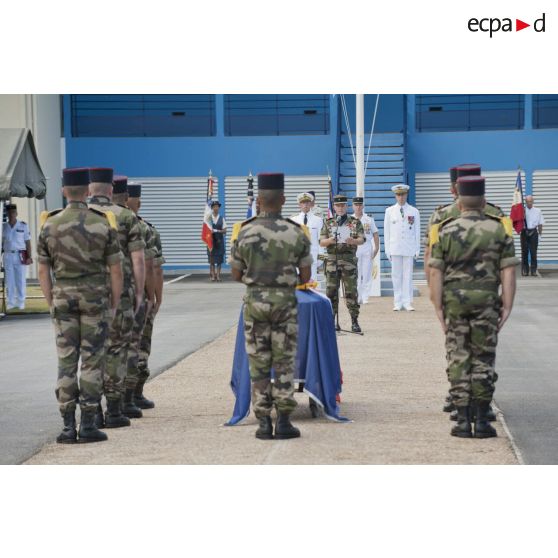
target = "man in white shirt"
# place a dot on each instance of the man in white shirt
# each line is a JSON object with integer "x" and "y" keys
{"x": 530, "y": 236}
{"x": 16, "y": 249}
{"x": 314, "y": 224}
{"x": 402, "y": 246}
{"x": 365, "y": 253}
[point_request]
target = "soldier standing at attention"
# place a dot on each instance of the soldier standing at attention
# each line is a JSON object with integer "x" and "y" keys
{"x": 145, "y": 343}
{"x": 77, "y": 244}
{"x": 133, "y": 270}
{"x": 402, "y": 246}
{"x": 265, "y": 257}
{"x": 442, "y": 213}
{"x": 341, "y": 258}
{"x": 472, "y": 255}
{"x": 131, "y": 381}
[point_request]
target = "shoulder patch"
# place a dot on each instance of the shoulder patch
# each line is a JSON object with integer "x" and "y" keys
{"x": 506, "y": 221}
{"x": 235, "y": 230}
{"x": 434, "y": 234}
{"x": 109, "y": 216}
{"x": 45, "y": 215}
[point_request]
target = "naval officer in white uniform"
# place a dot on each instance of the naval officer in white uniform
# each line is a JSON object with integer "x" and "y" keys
{"x": 16, "y": 248}
{"x": 402, "y": 246}
{"x": 365, "y": 252}
{"x": 314, "y": 224}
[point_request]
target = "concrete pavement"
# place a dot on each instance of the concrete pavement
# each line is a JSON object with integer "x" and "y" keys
{"x": 394, "y": 390}
{"x": 193, "y": 313}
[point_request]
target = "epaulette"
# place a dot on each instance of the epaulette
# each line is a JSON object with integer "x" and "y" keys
{"x": 247, "y": 221}
{"x": 23, "y": 222}
{"x": 148, "y": 223}
{"x": 434, "y": 234}
{"x": 506, "y": 221}
{"x": 46, "y": 214}
{"x": 124, "y": 206}
{"x": 443, "y": 206}
{"x": 109, "y": 215}
{"x": 494, "y": 205}
{"x": 293, "y": 222}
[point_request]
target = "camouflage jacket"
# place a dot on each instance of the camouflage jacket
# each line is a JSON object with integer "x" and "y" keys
{"x": 148, "y": 238}
{"x": 328, "y": 231}
{"x": 158, "y": 258}
{"x": 451, "y": 210}
{"x": 269, "y": 248}
{"x": 472, "y": 249}
{"x": 129, "y": 232}
{"x": 78, "y": 242}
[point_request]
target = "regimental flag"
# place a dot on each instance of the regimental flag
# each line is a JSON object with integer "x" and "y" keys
{"x": 330, "y": 212}
{"x": 207, "y": 226}
{"x": 517, "y": 212}
{"x": 251, "y": 200}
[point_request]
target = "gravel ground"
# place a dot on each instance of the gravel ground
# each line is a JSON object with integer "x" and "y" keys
{"x": 394, "y": 390}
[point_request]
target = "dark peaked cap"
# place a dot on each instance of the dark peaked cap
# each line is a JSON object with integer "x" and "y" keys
{"x": 271, "y": 181}
{"x": 468, "y": 170}
{"x": 120, "y": 184}
{"x": 470, "y": 186}
{"x": 97, "y": 174}
{"x": 134, "y": 190}
{"x": 75, "y": 177}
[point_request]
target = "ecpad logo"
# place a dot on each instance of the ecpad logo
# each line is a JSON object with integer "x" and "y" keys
{"x": 494, "y": 25}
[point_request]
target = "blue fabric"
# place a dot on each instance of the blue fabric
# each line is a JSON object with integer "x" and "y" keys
{"x": 317, "y": 359}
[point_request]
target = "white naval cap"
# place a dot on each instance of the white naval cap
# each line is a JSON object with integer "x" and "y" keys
{"x": 305, "y": 196}
{"x": 400, "y": 189}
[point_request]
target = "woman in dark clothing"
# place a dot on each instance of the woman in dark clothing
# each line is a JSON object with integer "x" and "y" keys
{"x": 217, "y": 255}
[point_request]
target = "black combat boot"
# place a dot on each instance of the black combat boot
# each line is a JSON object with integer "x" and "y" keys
{"x": 449, "y": 407}
{"x": 139, "y": 399}
{"x": 314, "y": 411}
{"x": 88, "y": 432}
{"x": 483, "y": 428}
{"x": 454, "y": 416}
{"x": 355, "y": 328}
{"x": 265, "y": 431}
{"x": 129, "y": 408}
{"x": 69, "y": 432}
{"x": 284, "y": 429}
{"x": 490, "y": 414}
{"x": 463, "y": 427}
{"x": 99, "y": 417}
{"x": 114, "y": 417}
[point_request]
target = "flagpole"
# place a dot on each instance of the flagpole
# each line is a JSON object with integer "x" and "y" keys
{"x": 360, "y": 145}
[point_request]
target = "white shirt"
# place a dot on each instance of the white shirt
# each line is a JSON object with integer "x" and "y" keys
{"x": 402, "y": 230}
{"x": 314, "y": 224}
{"x": 370, "y": 228}
{"x": 13, "y": 238}
{"x": 534, "y": 217}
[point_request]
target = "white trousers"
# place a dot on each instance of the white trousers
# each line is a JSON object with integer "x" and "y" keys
{"x": 364, "y": 284}
{"x": 15, "y": 273}
{"x": 402, "y": 278}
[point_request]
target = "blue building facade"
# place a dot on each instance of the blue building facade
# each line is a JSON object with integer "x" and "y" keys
{"x": 187, "y": 135}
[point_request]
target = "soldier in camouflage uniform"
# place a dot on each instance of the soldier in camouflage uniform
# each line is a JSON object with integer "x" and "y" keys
{"x": 472, "y": 255}
{"x": 131, "y": 409}
{"x": 78, "y": 244}
{"x": 265, "y": 257}
{"x": 441, "y": 213}
{"x": 341, "y": 261}
{"x": 145, "y": 343}
{"x": 133, "y": 269}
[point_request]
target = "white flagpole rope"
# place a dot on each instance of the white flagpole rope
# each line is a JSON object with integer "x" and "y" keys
{"x": 371, "y": 134}
{"x": 348, "y": 128}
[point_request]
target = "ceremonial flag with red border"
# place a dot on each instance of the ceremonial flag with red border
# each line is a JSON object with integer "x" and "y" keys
{"x": 517, "y": 212}
{"x": 207, "y": 226}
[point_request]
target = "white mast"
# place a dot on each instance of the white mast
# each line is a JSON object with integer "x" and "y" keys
{"x": 360, "y": 145}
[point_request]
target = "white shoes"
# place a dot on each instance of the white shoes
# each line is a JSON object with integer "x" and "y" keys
{"x": 397, "y": 308}
{"x": 408, "y": 307}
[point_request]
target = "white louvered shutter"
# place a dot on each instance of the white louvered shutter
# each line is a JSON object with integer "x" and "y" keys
{"x": 545, "y": 187}
{"x": 176, "y": 207}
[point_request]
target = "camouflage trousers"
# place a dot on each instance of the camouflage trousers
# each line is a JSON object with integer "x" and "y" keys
{"x": 348, "y": 269}
{"x": 80, "y": 314}
{"x": 471, "y": 341}
{"x": 132, "y": 372}
{"x": 270, "y": 330}
{"x": 145, "y": 348}
{"x": 120, "y": 334}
